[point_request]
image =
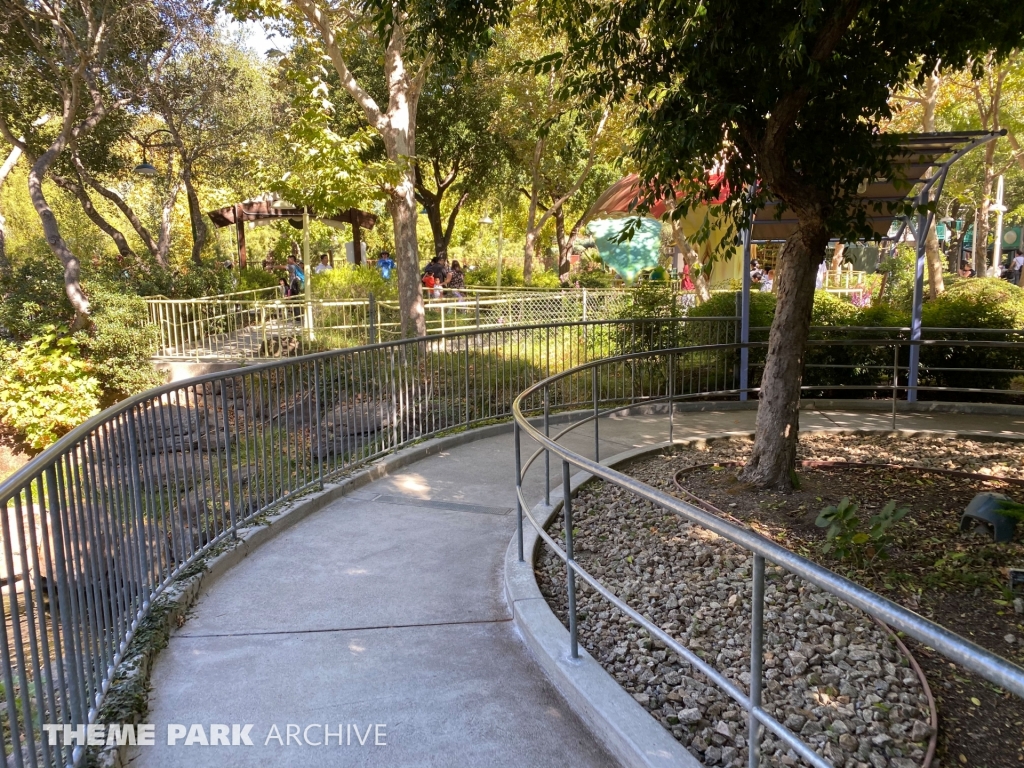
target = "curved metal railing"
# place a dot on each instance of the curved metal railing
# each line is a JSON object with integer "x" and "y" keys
{"x": 95, "y": 528}
{"x": 664, "y": 372}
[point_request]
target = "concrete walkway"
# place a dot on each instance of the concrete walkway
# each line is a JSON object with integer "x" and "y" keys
{"x": 387, "y": 608}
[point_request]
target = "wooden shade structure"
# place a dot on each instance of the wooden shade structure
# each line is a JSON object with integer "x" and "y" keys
{"x": 265, "y": 212}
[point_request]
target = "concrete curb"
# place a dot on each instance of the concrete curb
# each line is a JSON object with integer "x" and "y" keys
{"x": 623, "y": 726}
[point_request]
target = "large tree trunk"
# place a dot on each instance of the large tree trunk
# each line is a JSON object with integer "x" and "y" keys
{"x": 158, "y": 251}
{"x": 564, "y": 249}
{"x": 195, "y": 215}
{"x": 933, "y": 257}
{"x": 72, "y": 267}
{"x": 12, "y": 159}
{"x": 78, "y": 191}
{"x": 774, "y": 453}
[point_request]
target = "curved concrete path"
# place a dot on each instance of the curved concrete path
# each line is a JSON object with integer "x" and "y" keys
{"x": 387, "y": 608}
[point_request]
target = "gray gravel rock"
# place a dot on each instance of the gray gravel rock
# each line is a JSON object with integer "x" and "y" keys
{"x": 830, "y": 673}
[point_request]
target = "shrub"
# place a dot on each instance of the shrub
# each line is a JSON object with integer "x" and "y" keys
{"x": 545, "y": 279}
{"x": 252, "y": 278}
{"x": 32, "y": 297}
{"x": 846, "y": 541}
{"x": 120, "y": 344}
{"x": 762, "y": 307}
{"x": 45, "y": 388}
{"x": 981, "y": 302}
{"x": 347, "y": 281}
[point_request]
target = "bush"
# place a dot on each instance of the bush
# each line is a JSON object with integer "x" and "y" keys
{"x": 545, "y": 279}
{"x": 120, "y": 344}
{"x": 762, "y": 307}
{"x": 253, "y": 278}
{"x": 347, "y": 281}
{"x": 980, "y": 302}
{"x": 45, "y": 388}
{"x": 486, "y": 274}
{"x": 32, "y": 297}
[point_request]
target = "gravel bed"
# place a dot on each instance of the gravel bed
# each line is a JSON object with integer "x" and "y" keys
{"x": 832, "y": 675}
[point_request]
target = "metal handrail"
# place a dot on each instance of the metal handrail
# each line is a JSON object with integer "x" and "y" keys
{"x": 992, "y": 667}
{"x": 100, "y": 524}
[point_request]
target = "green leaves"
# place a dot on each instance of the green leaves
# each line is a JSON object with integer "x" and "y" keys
{"x": 45, "y": 387}
{"x": 843, "y": 537}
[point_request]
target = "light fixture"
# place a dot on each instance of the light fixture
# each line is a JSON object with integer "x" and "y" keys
{"x": 145, "y": 168}
{"x": 486, "y": 220}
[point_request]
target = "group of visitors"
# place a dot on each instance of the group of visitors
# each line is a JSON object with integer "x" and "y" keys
{"x": 438, "y": 277}
{"x": 761, "y": 279}
{"x": 295, "y": 282}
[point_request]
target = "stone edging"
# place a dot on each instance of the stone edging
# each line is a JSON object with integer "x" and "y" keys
{"x": 624, "y": 727}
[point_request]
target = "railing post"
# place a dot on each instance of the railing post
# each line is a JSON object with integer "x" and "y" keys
{"x": 756, "y": 660}
{"x": 584, "y": 305}
{"x": 477, "y": 296}
{"x": 519, "y": 487}
{"x": 372, "y": 310}
{"x": 597, "y": 435}
{"x": 227, "y": 453}
{"x": 895, "y": 380}
{"x": 547, "y": 453}
{"x": 569, "y": 572}
{"x": 671, "y": 395}
{"x": 315, "y": 423}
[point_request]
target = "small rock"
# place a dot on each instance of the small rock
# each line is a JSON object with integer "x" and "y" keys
{"x": 642, "y": 698}
{"x": 1010, "y": 639}
{"x": 689, "y": 716}
{"x": 1018, "y": 604}
{"x": 920, "y": 731}
{"x": 848, "y": 742}
{"x": 712, "y": 755}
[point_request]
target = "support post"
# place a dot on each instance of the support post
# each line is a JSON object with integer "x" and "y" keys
{"x": 671, "y": 395}
{"x": 547, "y": 453}
{"x": 745, "y": 318}
{"x": 372, "y": 310}
{"x": 570, "y": 574}
{"x": 923, "y": 223}
{"x": 240, "y": 236}
{"x": 756, "y": 660}
{"x": 519, "y": 486}
{"x": 597, "y": 435}
{"x": 357, "y": 244}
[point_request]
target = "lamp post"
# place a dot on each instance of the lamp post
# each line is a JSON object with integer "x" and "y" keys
{"x": 501, "y": 233}
{"x": 1000, "y": 209}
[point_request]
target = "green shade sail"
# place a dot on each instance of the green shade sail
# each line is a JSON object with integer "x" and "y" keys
{"x": 630, "y": 257}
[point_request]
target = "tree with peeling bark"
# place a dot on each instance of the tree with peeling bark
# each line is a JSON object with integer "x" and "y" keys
{"x": 460, "y": 156}
{"x": 557, "y": 139}
{"x": 788, "y": 101}
{"x": 402, "y": 33}
{"x": 922, "y": 98}
{"x": 82, "y": 56}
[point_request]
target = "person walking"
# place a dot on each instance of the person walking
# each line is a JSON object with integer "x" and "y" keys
{"x": 385, "y": 264}
{"x": 456, "y": 280}
{"x": 1016, "y": 267}
{"x": 324, "y": 265}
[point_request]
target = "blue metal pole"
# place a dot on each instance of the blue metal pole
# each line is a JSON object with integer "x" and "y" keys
{"x": 745, "y": 317}
{"x": 923, "y": 224}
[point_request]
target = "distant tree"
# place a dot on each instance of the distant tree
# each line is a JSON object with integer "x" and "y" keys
{"x": 82, "y": 58}
{"x": 400, "y": 33}
{"x": 789, "y": 96}
{"x": 460, "y": 156}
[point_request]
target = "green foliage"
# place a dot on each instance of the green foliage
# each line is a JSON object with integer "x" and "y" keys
{"x": 545, "y": 279}
{"x": 762, "y": 307}
{"x": 844, "y": 539}
{"x": 597, "y": 277}
{"x": 45, "y": 388}
{"x": 981, "y": 302}
{"x": 898, "y": 278}
{"x": 252, "y": 278}
{"x": 347, "y": 281}
{"x": 829, "y": 309}
{"x": 33, "y": 296}
{"x": 120, "y": 344}
{"x": 486, "y": 274}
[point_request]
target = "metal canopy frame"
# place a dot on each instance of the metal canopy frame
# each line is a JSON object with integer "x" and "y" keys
{"x": 919, "y": 147}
